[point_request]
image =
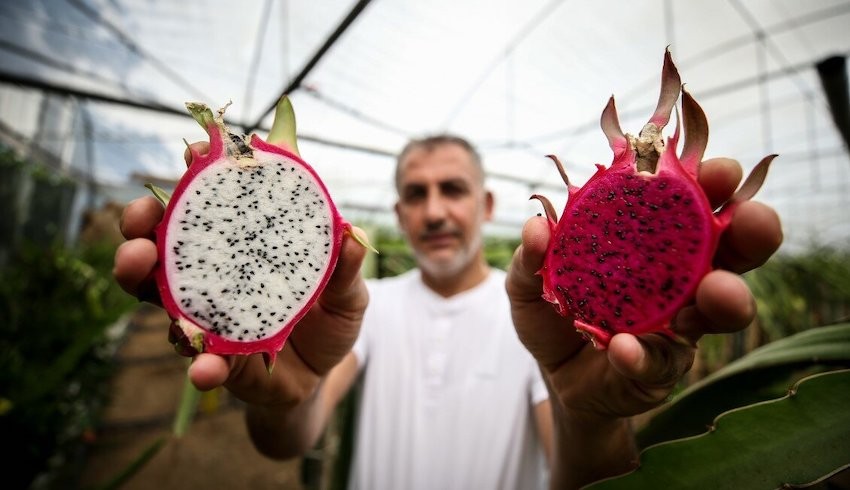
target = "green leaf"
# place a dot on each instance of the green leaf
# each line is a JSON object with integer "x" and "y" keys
{"x": 187, "y": 408}
{"x": 363, "y": 241}
{"x": 160, "y": 194}
{"x": 283, "y": 127}
{"x": 46, "y": 380}
{"x": 134, "y": 467}
{"x": 763, "y": 374}
{"x": 797, "y": 439}
{"x": 202, "y": 114}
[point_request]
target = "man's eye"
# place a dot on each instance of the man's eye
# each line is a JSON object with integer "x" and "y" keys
{"x": 453, "y": 190}
{"x": 413, "y": 194}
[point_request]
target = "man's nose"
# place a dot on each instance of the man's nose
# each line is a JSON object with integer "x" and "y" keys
{"x": 435, "y": 208}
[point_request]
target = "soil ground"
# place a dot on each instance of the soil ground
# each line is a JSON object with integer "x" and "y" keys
{"x": 215, "y": 453}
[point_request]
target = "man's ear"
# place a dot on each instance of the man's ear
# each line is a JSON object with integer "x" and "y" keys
{"x": 489, "y": 204}
{"x": 398, "y": 215}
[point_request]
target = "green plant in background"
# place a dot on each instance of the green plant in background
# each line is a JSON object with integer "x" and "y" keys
{"x": 793, "y": 293}
{"x": 797, "y": 292}
{"x": 764, "y": 374}
{"x": 55, "y": 307}
{"x": 38, "y": 202}
{"x": 395, "y": 257}
{"x": 799, "y": 439}
{"x": 776, "y": 416}
{"x": 14, "y": 171}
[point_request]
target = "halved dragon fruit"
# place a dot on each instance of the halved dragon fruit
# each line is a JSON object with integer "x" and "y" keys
{"x": 634, "y": 242}
{"x": 248, "y": 241}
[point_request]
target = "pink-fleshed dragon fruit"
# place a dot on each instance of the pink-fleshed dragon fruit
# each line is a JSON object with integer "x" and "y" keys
{"x": 248, "y": 240}
{"x": 634, "y": 242}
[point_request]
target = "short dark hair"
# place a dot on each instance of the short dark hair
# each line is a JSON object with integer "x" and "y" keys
{"x": 429, "y": 143}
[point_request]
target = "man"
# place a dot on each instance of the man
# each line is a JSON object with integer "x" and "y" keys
{"x": 450, "y": 398}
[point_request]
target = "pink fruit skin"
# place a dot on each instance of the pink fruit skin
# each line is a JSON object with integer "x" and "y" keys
{"x": 213, "y": 343}
{"x": 632, "y": 246}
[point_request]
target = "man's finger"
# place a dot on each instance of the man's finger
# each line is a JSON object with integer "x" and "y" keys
{"x": 140, "y": 217}
{"x": 134, "y": 262}
{"x": 725, "y": 300}
{"x": 654, "y": 361}
{"x": 133, "y": 269}
{"x": 719, "y": 177}
{"x": 723, "y": 304}
{"x": 753, "y": 236}
{"x": 523, "y": 283}
{"x": 339, "y": 291}
{"x": 200, "y": 147}
{"x": 330, "y": 328}
{"x": 208, "y": 371}
{"x": 549, "y": 337}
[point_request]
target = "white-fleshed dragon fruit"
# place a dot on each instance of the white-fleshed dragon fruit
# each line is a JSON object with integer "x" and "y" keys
{"x": 248, "y": 240}
{"x": 635, "y": 240}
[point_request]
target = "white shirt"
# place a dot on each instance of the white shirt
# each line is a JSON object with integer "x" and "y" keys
{"x": 448, "y": 391}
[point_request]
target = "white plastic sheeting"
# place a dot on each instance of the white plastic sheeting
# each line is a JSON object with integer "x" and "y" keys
{"x": 521, "y": 79}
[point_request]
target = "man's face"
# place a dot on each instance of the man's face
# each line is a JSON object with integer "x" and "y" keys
{"x": 442, "y": 205}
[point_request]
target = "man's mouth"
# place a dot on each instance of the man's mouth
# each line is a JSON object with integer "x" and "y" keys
{"x": 441, "y": 238}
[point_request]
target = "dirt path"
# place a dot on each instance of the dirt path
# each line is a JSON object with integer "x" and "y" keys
{"x": 214, "y": 454}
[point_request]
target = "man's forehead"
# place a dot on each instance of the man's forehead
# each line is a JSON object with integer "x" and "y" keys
{"x": 447, "y": 159}
{"x": 444, "y": 151}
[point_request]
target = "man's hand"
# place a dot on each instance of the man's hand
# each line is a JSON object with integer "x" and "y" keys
{"x": 319, "y": 342}
{"x": 637, "y": 373}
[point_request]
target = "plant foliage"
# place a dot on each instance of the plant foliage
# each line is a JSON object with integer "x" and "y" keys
{"x": 55, "y": 307}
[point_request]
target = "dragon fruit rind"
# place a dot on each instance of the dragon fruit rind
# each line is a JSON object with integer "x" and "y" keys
{"x": 248, "y": 241}
{"x": 633, "y": 243}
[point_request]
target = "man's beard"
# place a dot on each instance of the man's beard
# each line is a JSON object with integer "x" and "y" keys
{"x": 447, "y": 269}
